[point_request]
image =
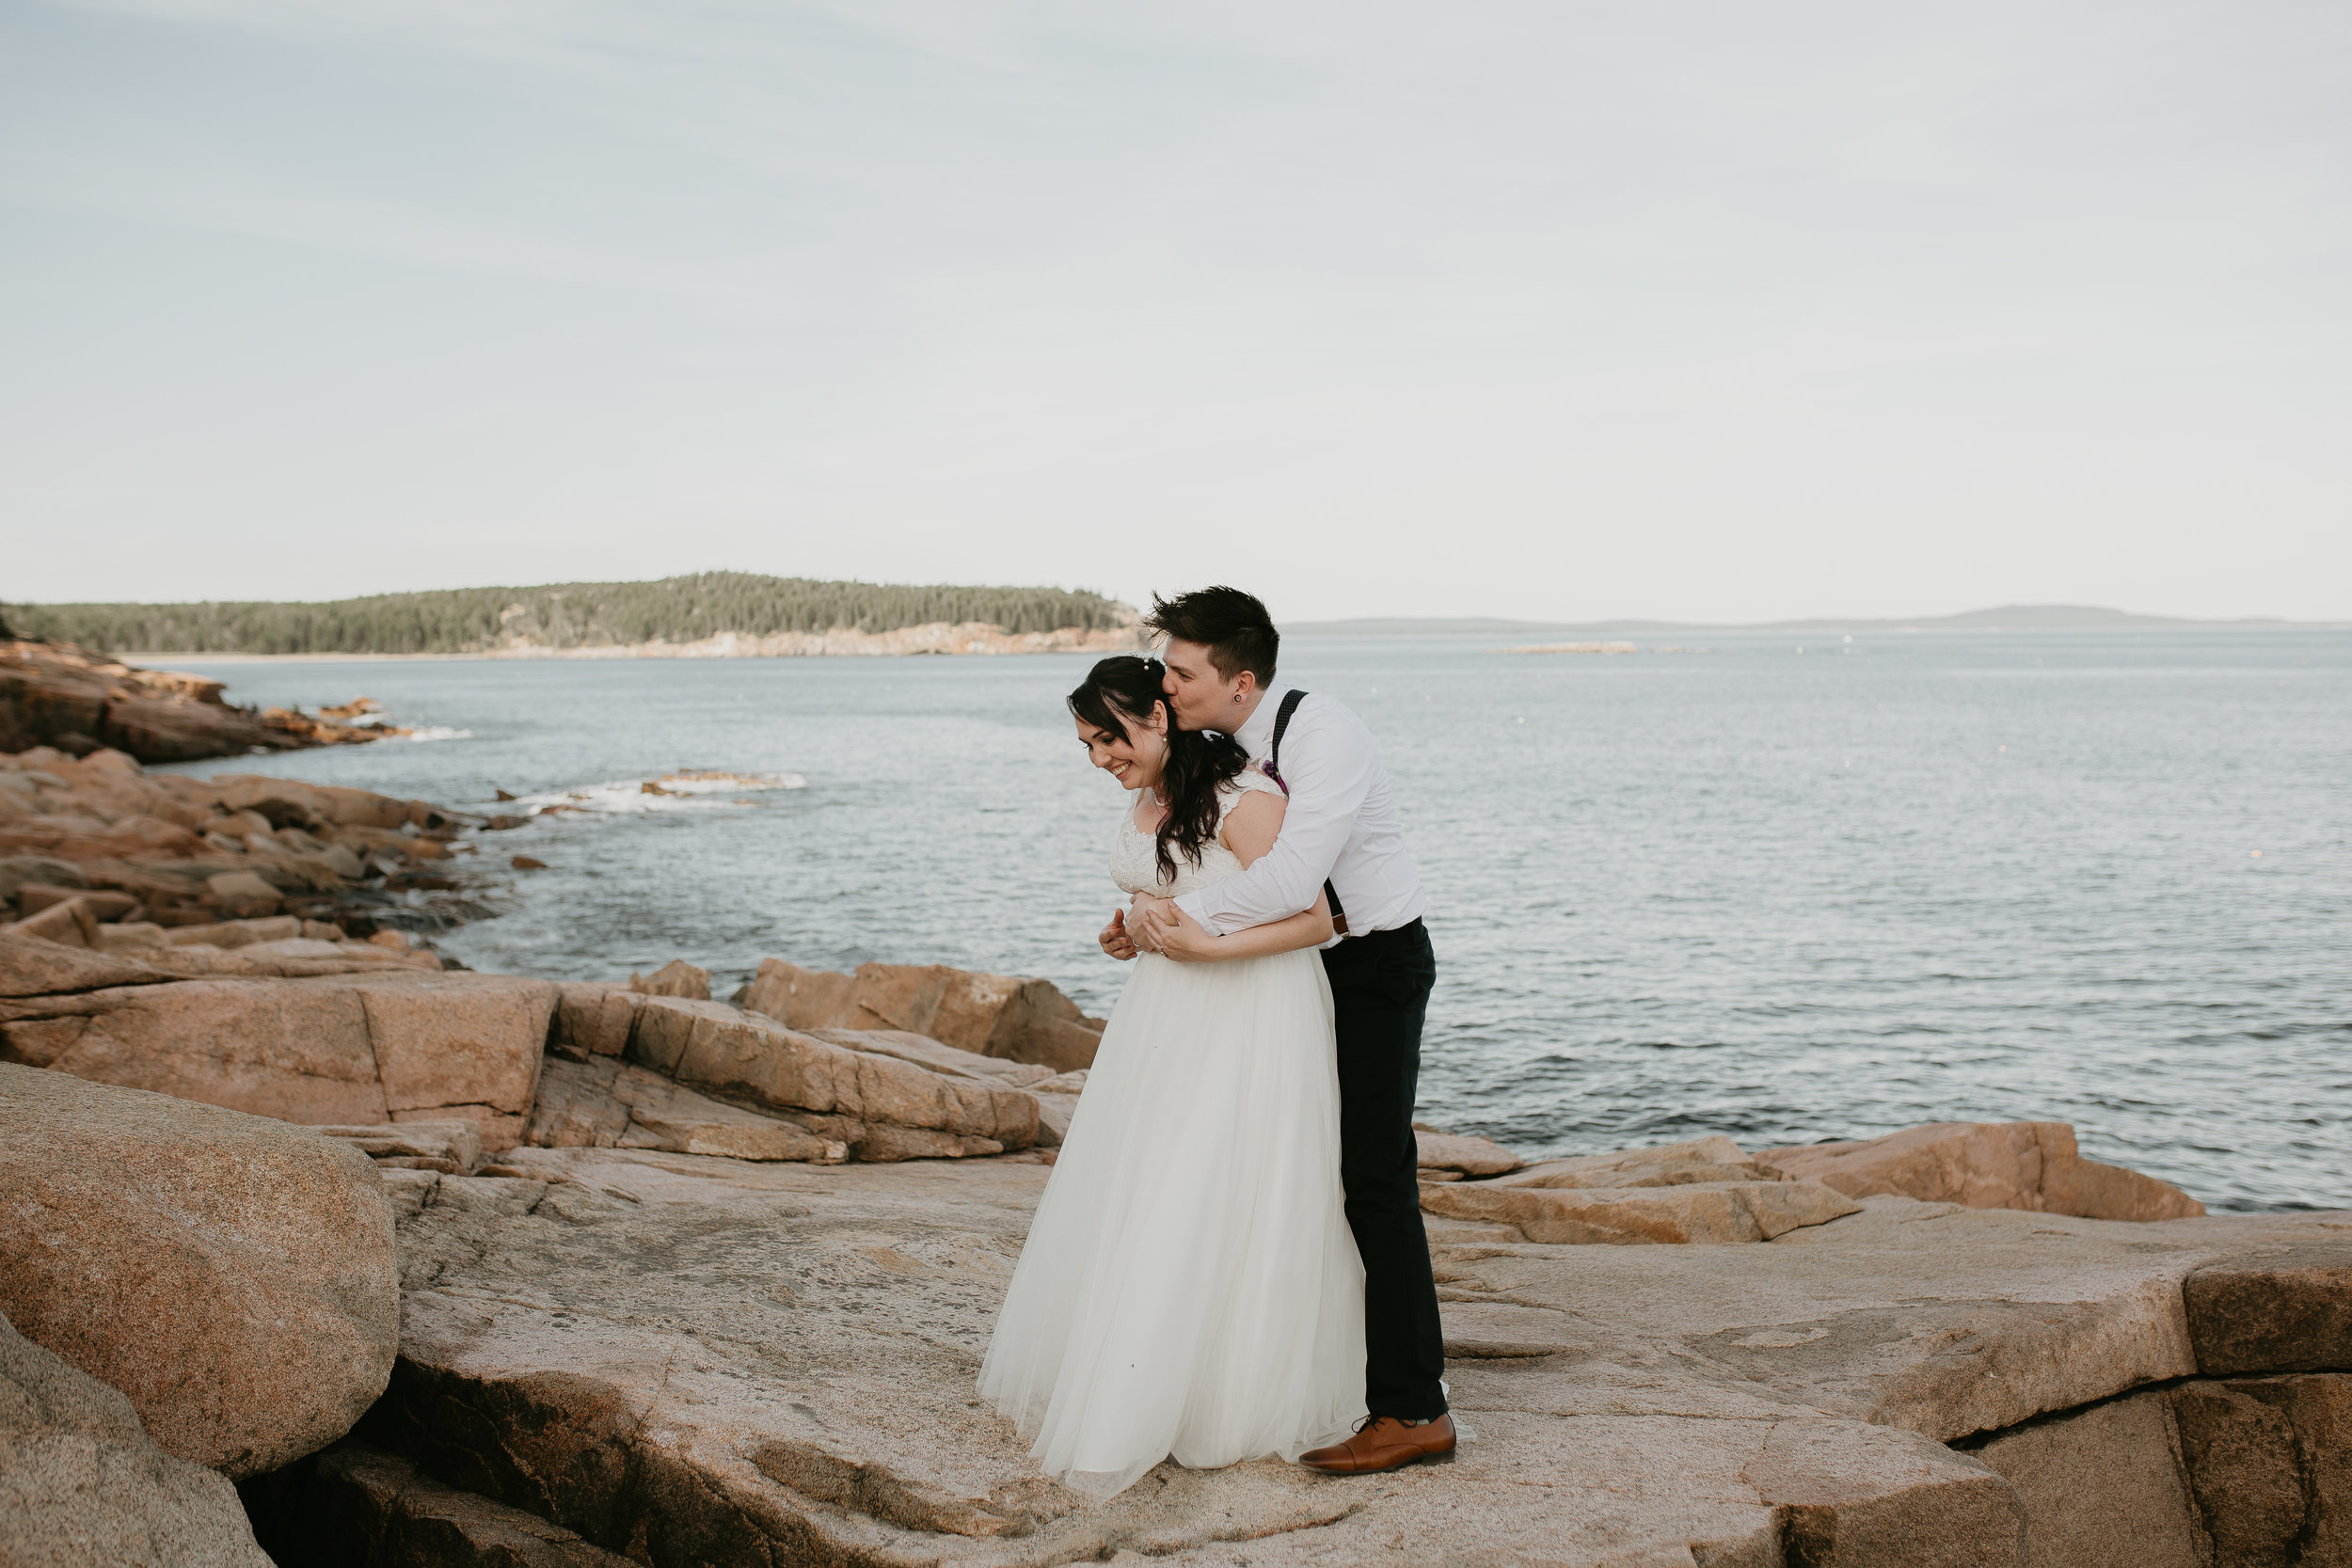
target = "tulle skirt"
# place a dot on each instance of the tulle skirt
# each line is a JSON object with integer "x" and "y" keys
{"x": 1189, "y": 1287}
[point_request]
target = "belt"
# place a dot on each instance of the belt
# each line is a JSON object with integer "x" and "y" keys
{"x": 1410, "y": 928}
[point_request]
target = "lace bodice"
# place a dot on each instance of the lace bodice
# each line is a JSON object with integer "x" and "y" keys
{"x": 1135, "y": 869}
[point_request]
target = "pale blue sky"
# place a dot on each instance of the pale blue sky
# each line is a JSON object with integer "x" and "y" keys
{"x": 1545, "y": 309}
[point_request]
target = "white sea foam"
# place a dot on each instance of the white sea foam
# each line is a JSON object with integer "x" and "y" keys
{"x": 697, "y": 790}
{"x": 433, "y": 732}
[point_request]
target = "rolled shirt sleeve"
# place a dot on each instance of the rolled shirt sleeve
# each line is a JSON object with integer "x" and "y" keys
{"x": 1330, "y": 768}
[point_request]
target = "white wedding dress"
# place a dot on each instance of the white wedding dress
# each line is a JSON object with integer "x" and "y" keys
{"x": 1189, "y": 1287}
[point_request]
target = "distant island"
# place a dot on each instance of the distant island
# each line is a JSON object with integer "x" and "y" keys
{"x": 2015, "y": 617}
{"x": 709, "y": 614}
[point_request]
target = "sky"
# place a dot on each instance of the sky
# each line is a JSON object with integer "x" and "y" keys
{"x": 1554, "y": 311}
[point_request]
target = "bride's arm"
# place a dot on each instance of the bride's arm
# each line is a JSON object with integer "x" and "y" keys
{"x": 1249, "y": 828}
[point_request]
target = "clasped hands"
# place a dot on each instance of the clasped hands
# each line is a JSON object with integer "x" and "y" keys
{"x": 1156, "y": 925}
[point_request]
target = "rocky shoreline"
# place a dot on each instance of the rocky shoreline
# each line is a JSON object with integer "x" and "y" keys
{"x": 98, "y": 853}
{"x": 322, "y": 1250}
{"x": 77, "y": 702}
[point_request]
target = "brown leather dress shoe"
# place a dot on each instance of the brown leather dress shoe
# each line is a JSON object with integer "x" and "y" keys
{"x": 1383, "y": 1443}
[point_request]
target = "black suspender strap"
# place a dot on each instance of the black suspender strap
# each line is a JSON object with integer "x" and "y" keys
{"x": 1290, "y": 700}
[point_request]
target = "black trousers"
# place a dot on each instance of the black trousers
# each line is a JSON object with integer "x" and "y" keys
{"x": 1380, "y": 984}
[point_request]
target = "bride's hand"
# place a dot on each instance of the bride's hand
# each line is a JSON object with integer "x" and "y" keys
{"x": 1148, "y": 917}
{"x": 1115, "y": 940}
{"x": 1181, "y": 938}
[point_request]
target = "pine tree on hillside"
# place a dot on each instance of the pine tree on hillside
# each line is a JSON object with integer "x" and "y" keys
{"x": 560, "y": 615}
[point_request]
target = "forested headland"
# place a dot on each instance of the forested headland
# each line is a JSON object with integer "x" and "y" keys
{"x": 558, "y": 617}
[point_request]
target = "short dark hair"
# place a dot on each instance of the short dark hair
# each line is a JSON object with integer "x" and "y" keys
{"x": 1232, "y": 625}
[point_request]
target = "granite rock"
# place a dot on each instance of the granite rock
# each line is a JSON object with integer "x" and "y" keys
{"x": 30, "y": 966}
{"x": 594, "y": 1020}
{"x": 1690, "y": 1213}
{"x": 2283, "y": 1309}
{"x": 688, "y": 1359}
{"x": 1459, "y": 1153}
{"x": 81, "y": 1483}
{"x": 727, "y": 1051}
{"x": 2033, "y": 1165}
{"x": 676, "y": 978}
{"x": 989, "y": 1015}
{"x": 453, "y": 1147}
{"x": 2103, "y": 1488}
{"x": 604, "y": 1104}
{"x": 353, "y": 1504}
{"x": 231, "y": 1276}
{"x": 1714, "y": 1158}
{"x": 338, "y": 1050}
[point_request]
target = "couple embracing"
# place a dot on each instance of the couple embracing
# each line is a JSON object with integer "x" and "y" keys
{"x": 1229, "y": 1259}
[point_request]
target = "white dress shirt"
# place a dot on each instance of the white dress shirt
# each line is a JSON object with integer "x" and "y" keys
{"x": 1340, "y": 826}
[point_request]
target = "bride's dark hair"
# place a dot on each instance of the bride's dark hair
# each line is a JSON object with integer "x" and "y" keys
{"x": 1118, "y": 695}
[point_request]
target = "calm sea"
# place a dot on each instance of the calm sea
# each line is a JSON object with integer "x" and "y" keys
{"x": 1785, "y": 889}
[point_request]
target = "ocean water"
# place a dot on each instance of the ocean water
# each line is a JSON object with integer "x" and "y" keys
{"x": 1783, "y": 889}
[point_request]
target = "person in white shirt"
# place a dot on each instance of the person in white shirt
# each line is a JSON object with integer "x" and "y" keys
{"x": 1339, "y": 836}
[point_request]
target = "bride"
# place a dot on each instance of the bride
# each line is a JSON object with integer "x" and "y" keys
{"x": 1189, "y": 1287}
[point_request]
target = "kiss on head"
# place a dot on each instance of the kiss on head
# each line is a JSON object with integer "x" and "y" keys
{"x": 1216, "y": 1270}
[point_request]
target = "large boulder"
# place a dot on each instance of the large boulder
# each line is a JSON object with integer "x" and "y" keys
{"x": 2033, "y": 1165}
{"x": 81, "y": 1483}
{"x": 232, "y": 1275}
{"x": 335, "y": 1050}
{"x": 1019, "y": 1019}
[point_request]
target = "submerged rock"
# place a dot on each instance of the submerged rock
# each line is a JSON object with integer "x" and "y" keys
{"x": 231, "y": 1276}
